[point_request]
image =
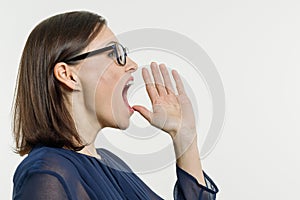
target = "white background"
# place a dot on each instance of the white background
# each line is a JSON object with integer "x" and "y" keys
{"x": 255, "y": 46}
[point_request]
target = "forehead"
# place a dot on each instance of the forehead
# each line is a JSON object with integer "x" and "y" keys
{"x": 104, "y": 37}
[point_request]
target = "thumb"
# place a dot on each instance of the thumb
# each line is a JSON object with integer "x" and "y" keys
{"x": 144, "y": 112}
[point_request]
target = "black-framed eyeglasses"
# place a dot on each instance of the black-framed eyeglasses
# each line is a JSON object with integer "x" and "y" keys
{"x": 120, "y": 53}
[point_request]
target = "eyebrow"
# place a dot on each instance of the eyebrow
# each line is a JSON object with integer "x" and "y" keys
{"x": 111, "y": 42}
{"x": 106, "y": 45}
{"x": 89, "y": 53}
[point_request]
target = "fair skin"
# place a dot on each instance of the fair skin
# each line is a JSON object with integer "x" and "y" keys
{"x": 97, "y": 100}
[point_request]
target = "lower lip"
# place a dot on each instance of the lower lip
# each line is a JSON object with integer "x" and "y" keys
{"x": 131, "y": 110}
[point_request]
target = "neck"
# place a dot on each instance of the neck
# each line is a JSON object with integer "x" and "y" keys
{"x": 87, "y": 125}
{"x": 90, "y": 150}
{"x": 88, "y": 136}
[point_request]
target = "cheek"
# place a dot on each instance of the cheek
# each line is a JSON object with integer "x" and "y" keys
{"x": 94, "y": 83}
{"x": 89, "y": 90}
{"x": 110, "y": 108}
{"x": 104, "y": 96}
{"x": 108, "y": 86}
{"x": 108, "y": 93}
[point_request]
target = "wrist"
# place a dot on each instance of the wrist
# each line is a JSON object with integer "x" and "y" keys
{"x": 184, "y": 140}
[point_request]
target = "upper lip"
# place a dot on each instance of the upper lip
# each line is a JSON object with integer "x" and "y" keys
{"x": 129, "y": 79}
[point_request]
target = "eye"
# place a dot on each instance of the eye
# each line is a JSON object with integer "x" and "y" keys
{"x": 111, "y": 54}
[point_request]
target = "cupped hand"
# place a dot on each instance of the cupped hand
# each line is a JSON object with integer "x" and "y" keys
{"x": 171, "y": 112}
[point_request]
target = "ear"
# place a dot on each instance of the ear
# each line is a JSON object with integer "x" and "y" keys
{"x": 66, "y": 76}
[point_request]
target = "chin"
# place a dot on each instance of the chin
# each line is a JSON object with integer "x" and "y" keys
{"x": 123, "y": 125}
{"x": 122, "y": 119}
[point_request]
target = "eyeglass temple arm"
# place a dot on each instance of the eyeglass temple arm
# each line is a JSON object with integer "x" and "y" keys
{"x": 88, "y": 54}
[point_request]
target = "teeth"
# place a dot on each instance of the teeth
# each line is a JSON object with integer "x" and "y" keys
{"x": 129, "y": 83}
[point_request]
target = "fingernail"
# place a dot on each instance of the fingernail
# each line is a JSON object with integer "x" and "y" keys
{"x": 154, "y": 64}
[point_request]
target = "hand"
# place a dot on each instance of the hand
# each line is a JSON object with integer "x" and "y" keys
{"x": 172, "y": 113}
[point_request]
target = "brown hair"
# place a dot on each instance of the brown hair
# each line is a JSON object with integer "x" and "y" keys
{"x": 40, "y": 114}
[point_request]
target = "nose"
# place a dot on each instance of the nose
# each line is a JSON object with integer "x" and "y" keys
{"x": 130, "y": 65}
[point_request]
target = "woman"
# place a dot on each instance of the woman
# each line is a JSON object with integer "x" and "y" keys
{"x": 72, "y": 82}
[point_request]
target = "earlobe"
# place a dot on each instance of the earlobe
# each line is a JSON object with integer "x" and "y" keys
{"x": 66, "y": 76}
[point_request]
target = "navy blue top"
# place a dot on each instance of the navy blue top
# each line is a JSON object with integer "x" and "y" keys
{"x": 57, "y": 173}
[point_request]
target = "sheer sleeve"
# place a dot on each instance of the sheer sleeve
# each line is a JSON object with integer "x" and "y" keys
{"x": 42, "y": 186}
{"x": 187, "y": 187}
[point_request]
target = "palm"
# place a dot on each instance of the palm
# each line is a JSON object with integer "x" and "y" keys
{"x": 171, "y": 112}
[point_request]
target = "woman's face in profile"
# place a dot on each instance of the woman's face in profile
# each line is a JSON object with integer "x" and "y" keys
{"x": 104, "y": 85}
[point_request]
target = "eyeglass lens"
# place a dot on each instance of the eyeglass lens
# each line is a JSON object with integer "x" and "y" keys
{"x": 121, "y": 54}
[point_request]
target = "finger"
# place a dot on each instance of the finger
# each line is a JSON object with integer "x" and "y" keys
{"x": 150, "y": 87}
{"x": 167, "y": 79}
{"x": 178, "y": 81}
{"x": 144, "y": 112}
{"x": 157, "y": 79}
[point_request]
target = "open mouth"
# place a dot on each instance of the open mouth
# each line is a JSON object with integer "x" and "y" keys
{"x": 124, "y": 93}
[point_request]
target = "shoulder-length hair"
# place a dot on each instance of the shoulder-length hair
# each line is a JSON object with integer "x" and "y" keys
{"x": 40, "y": 114}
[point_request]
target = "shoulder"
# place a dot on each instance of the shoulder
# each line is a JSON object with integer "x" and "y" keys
{"x": 46, "y": 160}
